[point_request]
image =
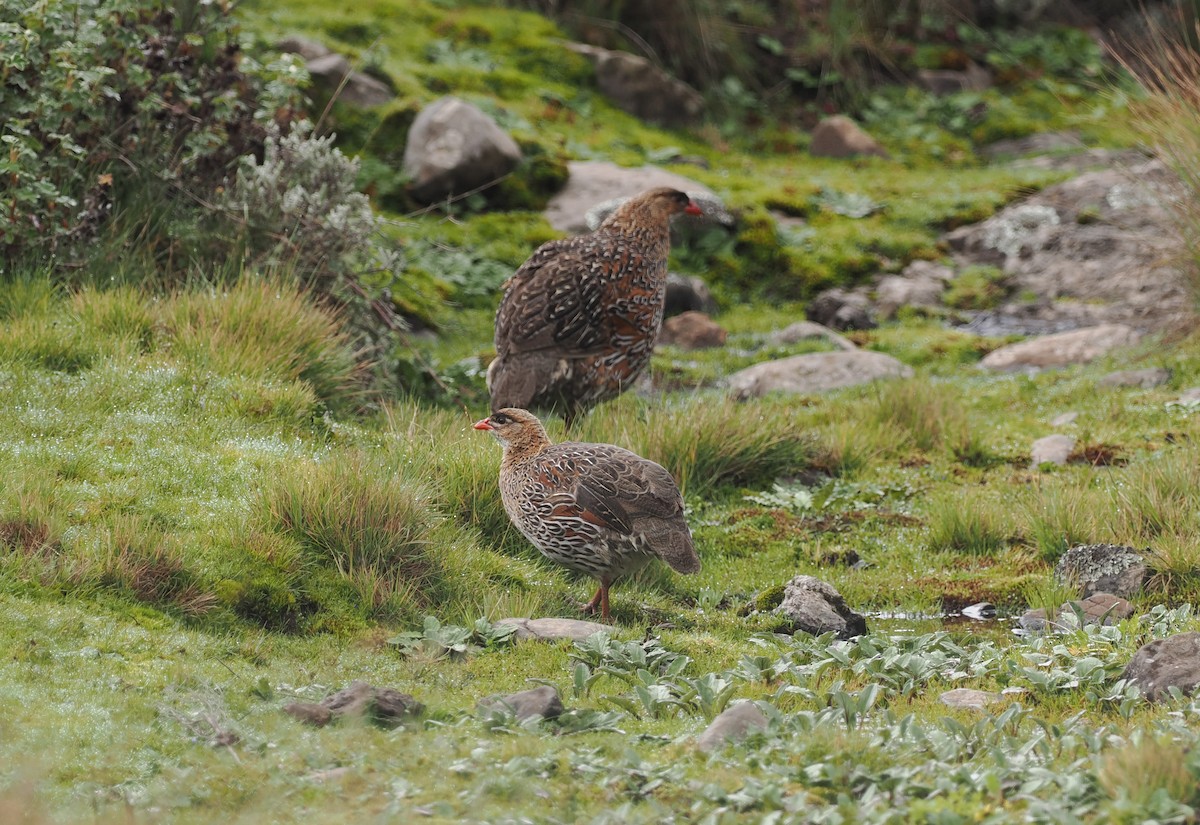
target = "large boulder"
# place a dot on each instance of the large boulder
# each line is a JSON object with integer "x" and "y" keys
{"x": 453, "y": 148}
{"x": 1166, "y": 663}
{"x": 1101, "y": 248}
{"x": 816, "y": 372}
{"x": 642, "y": 89}
{"x": 687, "y": 293}
{"x": 553, "y": 629}
{"x": 542, "y": 702}
{"x": 841, "y": 137}
{"x": 813, "y": 606}
{"x": 1061, "y": 349}
{"x": 591, "y": 183}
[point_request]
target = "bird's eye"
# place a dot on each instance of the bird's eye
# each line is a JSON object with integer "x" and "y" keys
{"x": 500, "y": 418}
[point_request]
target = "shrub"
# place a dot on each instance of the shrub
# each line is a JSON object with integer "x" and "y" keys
{"x": 163, "y": 90}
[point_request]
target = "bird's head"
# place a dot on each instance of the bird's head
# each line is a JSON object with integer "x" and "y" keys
{"x": 514, "y": 428}
{"x": 655, "y": 205}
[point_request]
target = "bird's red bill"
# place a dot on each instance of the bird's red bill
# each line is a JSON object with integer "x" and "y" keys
{"x": 483, "y": 425}
{"x": 692, "y": 209}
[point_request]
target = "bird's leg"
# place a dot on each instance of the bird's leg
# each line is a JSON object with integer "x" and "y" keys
{"x": 604, "y": 614}
{"x": 591, "y": 606}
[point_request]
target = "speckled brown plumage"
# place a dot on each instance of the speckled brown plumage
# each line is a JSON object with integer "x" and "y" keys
{"x": 596, "y": 509}
{"x": 579, "y": 319}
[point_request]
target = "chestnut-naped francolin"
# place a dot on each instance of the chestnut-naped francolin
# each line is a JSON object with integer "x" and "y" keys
{"x": 579, "y": 319}
{"x": 596, "y": 509}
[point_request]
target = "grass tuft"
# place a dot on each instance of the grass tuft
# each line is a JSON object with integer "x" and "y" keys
{"x": 140, "y": 559}
{"x": 965, "y": 524}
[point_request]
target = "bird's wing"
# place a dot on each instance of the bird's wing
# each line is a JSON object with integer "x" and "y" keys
{"x": 554, "y": 301}
{"x": 622, "y": 488}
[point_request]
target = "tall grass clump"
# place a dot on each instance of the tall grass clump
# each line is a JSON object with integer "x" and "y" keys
{"x": 1167, "y": 65}
{"x": 135, "y": 557}
{"x": 352, "y": 514}
{"x": 924, "y": 415}
{"x": 1158, "y": 498}
{"x": 266, "y": 329}
{"x": 965, "y": 524}
{"x": 1057, "y": 515}
{"x": 709, "y": 443}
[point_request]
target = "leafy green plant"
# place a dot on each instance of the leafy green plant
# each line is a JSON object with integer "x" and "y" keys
{"x": 436, "y": 640}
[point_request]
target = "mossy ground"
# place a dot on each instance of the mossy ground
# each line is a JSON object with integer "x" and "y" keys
{"x": 183, "y": 546}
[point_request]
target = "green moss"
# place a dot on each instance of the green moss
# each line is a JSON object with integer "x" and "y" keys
{"x": 977, "y": 287}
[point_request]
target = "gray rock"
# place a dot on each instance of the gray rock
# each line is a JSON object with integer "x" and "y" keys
{"x": 732, "y": 725}
{"x": 687, "y": 293}
{"x": 1053, "y": 449}
{"x": 815, "y": 372}
{"x": 642, "y": 89}
{"x": 306, "y": 47}
{"x": 383, "y": 706}
{"x": 594, "y": 182}
{"x": 1170, "y": 662}
{"x": 1100, "y": 248}
{"x": 692, "y": 330}
{"x": 335, "y": 75}
{"x": 1063, "y": 420}
{"x": 974, "y": 78}
{"x": 550, "y": 629}
{"x": 1083, "y": 161}
{"x": 309, "y": 713}
{"x": 968, "y": 698}
{"x": 1098, "y": 608}
{"x": 540, "y": 701}
{"x": 1102, "y": 568}
{"x": 1060, "y": 350}
{"x": 896, "y": 291}
{"x": 1188, "y": 397}
{"x": 712, "y": 213}
{"x": 1144, "y": 378}
{"x": 815, "y": 607}
{"x": 453, "y": 148}
{"x": 841, "y": 309}
{"x": 841, "y": 137}
{"x": 799, "y": 331}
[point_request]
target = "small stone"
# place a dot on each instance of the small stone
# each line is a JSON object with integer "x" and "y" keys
{"x": 1144, "y": 379}
{"x": 1053, "y": 449}
{"x": 549, "y": 629}
{"x": 310, "y": 713}
{"x": 541, "y": 701}
{"x": 1064, "y": 420}
{"x": 306, "y": 47}
{"x": 1166, "y": 663}
{"x": 841, "y": 137}
{"x": 815, "y": 607}
{"x": 350, "y": 701}
{"x": 815, "y": 372}
{"x": 799, "y": 331}
{"x": 732, "y": 725}
{"x": 692, "y": 330}
{"x": 383, "y": 706}
{"x": 968, "y": 698}
{"x": 330, "y": 775}
{"x": 687, "y": 292}
{"x": 841, "y": 309}
{"x": 1061, "y": 349}
{"x": 1098, "y": 608}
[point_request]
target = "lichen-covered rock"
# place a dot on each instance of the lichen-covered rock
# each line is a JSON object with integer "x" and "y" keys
{"x": 813, "y": 606}
{"x": 540, "y": 701}
{"x": 732, "y": 725}
{"x": 453, "y": 148}
{"x": 1102, "y": 568}
{"x": 383, "y": 706}
{"x": 1166, "y": 663}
